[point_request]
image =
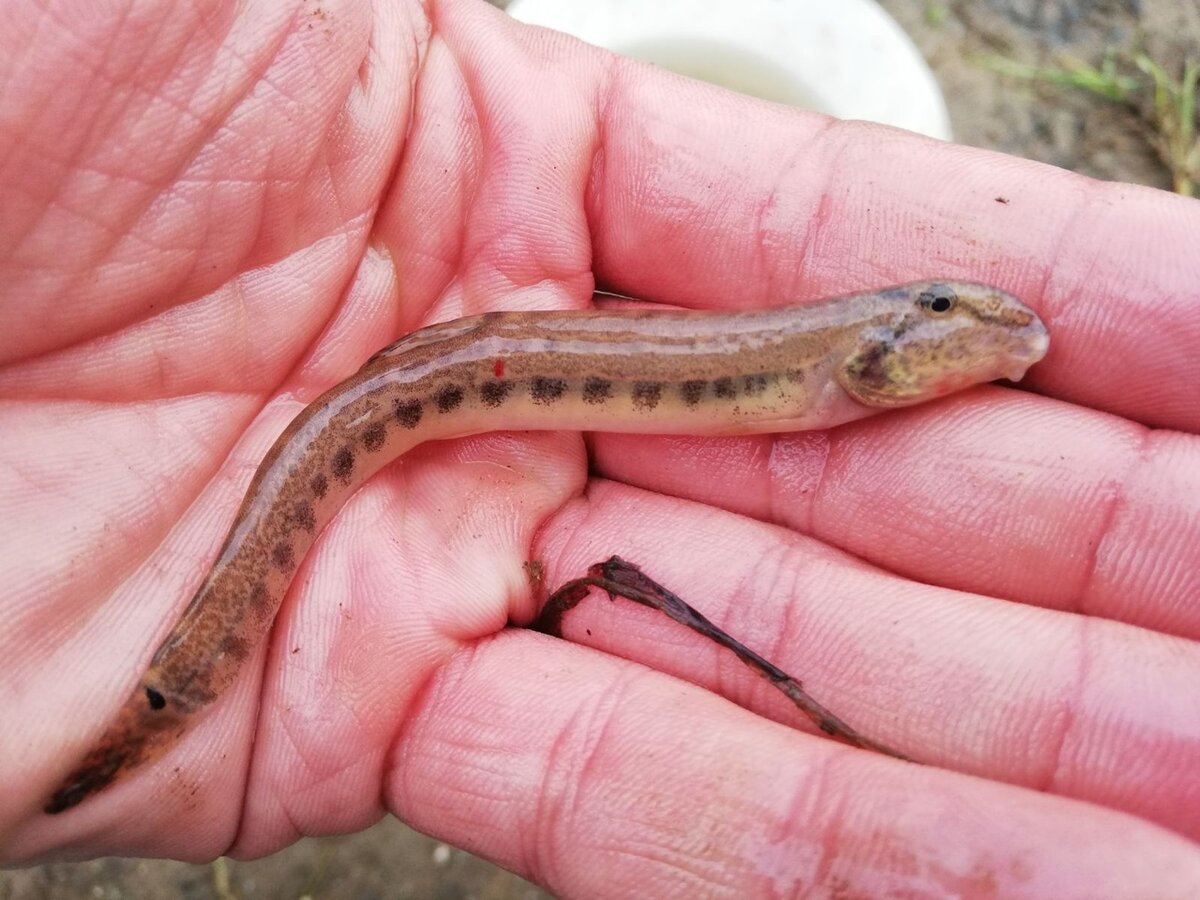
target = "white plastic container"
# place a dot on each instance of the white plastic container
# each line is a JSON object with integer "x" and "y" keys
{"x": 847, "y": 58}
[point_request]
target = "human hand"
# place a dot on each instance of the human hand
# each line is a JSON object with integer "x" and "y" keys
{"x": 210, "y": 220}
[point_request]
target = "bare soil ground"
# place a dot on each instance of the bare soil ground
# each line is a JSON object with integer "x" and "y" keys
{"x": 1069, "y": 128}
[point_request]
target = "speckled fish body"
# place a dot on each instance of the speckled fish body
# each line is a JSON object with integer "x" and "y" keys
{"x": 651, "y": 371}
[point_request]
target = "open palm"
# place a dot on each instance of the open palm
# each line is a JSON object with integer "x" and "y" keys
{"x": 213, "y": 214}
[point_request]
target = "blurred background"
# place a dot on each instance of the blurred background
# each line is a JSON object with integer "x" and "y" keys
{"x": 1096, "y": 86}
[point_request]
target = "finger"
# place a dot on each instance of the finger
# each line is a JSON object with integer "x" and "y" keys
{"x": 1096, "y": 515}
{"x": 1081, "y": 707}
{"x": 486, "y": 211}
{"x": 706, "y": 198}
{"x": 598, "y": 778}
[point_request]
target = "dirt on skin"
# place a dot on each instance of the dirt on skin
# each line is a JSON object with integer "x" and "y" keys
{"x": 1070, "y": 128}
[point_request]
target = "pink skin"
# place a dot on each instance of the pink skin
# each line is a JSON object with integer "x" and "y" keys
{"x": 210, "y": 220}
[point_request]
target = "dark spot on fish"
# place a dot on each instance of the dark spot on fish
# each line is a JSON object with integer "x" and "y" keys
{"x": 260, "y": 597}
{"x": 97, "y": 770}
{"x": 448, "y": 397}
{"x": 596, "y": 390}
{"x": 408, "y": 412}
{"x": 343, "y": 464}
{"x": 870, "y": 367}
{"x": 493, "y": 393}
{"x": 795, "y": 376}
{"x": 647, "y": 394}
{"x": 319, "y": 485}
{"x": 157, "y": 701}
{"x": 755, "y": 384}
{"x": 304, "y": 517}
{"x": 692, "y": 391}
{"x": 283, "y": 556}
{"x": 234, "y": 645}
{"x": 374, "y": 436}
{"x": 546, "y": 390}
{"x": 723, "y": 388}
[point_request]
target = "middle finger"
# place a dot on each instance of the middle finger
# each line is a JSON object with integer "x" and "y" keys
{"x": 994, "y": 491}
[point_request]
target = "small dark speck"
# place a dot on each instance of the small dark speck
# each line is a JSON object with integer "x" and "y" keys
{"x": 692, "y": 391}
{"x": 755, "y": 384}
{"x": 282, "y": 555}
{"x": 493, "y": 393}
{"x": 319, "y": 485}
{"x": 374, "y": 436}
{"x": 343, "y": 464}
{"x": 448, "y": 397}
{"x": 259, "y": 595}
{"x": 295, "y": 649}
{"x": 304, "y": 517}
{"x": 408, "y": 412}
{"x": 596, "y": 390}
{"x": 546, "y": 390}
{"x": 723, "y": 388}
{"x": 235, "y": 645}
{"x": 647, "y": 394}
{"x": 1002, "y": 200}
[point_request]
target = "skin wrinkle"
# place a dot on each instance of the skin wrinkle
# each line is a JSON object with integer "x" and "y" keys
{"x": 1095, "y": 195}
{"x": 776, "y": 488}
{"x": 591, "y": 201}
{"x": 803, "y": 242}
{"x": 828, "y": 838}
{"x": 586, "y": 750}
{"x": 104, "y": 251}
{"x": 816, "y": 500}
{"x": 1115, "y": 503}
{"x": 797, "y": 620}
{"x": 170, "y": 323}
{"x": 119, "y": 575}
{"x": 581, "y": 501}
{"x": 106, "y": 335}
{"x": 782, "y": 635}
{"x": 821, "y": 219}
{"x": 1072, "y": 703}
{"x": 473, "y": 144}
{"x": 546, "y": 813}
{"x": 726, "y": 670}
{"x": 761, "y": 254}
{"x": 450, "y": 262}
{"x": 416, "y": 708}
{"x": 176, "y": 177}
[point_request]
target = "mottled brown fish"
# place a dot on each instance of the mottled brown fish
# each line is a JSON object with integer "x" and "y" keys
{"x": 651, "y": 371}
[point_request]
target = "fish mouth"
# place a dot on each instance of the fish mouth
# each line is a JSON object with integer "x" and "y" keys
{"x": 1031, "y": 351}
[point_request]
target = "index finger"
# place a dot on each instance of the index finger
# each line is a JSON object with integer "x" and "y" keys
{"x": 706, "y": 198}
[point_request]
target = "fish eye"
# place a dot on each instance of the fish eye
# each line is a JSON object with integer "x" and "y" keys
{"x": 940, "y": 301}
